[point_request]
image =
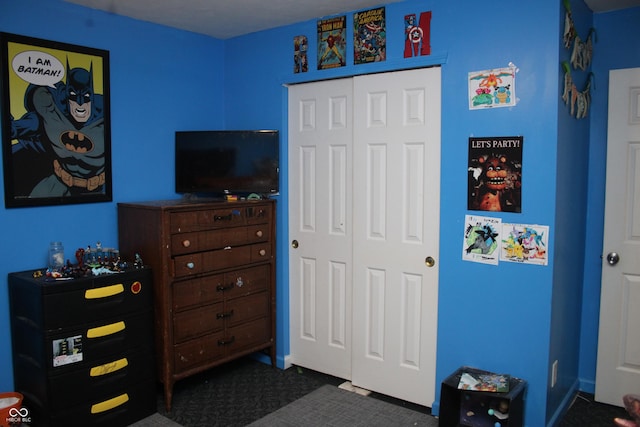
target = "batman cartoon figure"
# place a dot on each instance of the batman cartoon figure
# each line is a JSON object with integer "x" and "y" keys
{"x": 60, "y": 139}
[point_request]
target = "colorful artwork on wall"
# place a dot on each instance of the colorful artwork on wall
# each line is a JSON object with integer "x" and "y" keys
{"x": 300, "y": 60}
{"x": 492, "y": 88}
{"x": 523, "y": 243}
{"x": 332, "y": 42}
{"x": 495, "y": 174}
{"x": 481, "y": 239}
{"x": 417, "y": 40}
{"x": 56, "y": 122}
{"x": 369, "y": 36}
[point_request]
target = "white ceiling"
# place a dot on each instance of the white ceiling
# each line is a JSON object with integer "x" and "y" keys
{"x": 610, "y": 5}
{"x": 225, "y": 19}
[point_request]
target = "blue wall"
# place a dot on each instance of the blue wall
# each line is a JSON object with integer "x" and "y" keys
{"x": 496, "y": 318}
{"x": 510, "y": 318}
{"x": 162, "y": 80}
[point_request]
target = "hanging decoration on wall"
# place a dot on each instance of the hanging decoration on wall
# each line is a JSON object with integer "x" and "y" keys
{"x": 417, "y": 39}
{"x": 369, "y": 36}
{"x": 581, "y": 54}
{"x": 578, "y": 100}
{"x": 582, "y": 51}
{"x": 525, "y": 244}
{"x": 300, "y": 60}
{"x": 332, "y": 42}
{"x": 481, "y": 239}
{"x": 495, "y": 174}
{"x": 492, "y": 88}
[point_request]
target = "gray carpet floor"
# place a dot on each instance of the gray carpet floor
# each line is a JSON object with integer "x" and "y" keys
{"x": 330, "y": 406}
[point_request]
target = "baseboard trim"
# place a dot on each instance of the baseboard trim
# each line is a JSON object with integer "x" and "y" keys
{"x": 564, "y": 406}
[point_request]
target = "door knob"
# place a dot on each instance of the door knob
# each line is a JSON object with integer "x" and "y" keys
{"x": 429, "y": 261}
{"x": 613, "y": 258}
{"x": 294, "y": 244}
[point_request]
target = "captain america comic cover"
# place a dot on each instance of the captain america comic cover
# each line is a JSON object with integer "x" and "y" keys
{"x": 369, "y": 36}
{"x": 332, "y": 43}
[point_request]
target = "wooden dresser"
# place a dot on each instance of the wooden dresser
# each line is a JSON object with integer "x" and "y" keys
{"x": 213, "y": 267}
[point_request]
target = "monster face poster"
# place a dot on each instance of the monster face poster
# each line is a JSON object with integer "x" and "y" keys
{"x": 56, "y": 124}
{"x": 495, "y": 174}
{"x": 332, "y": 42}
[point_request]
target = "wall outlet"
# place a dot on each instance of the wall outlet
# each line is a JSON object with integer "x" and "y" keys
{"x": 554, "y": 373}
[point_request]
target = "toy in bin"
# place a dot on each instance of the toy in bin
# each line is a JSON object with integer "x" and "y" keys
{"x": 11, "y": 411}
{"x": 479, "y": 411}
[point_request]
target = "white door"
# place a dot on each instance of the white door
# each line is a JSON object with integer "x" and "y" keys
{"x": 396, "y": 226}
{"x": 618, "y": 366}
{"x": 320, "y": 192}
{"x": 368, "y": 233}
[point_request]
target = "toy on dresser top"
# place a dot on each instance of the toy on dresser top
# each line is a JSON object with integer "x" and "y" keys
{"x": 91, "y": 262}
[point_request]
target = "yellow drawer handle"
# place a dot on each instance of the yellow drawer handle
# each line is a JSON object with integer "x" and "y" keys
{"x": 104, "y": 292}
{"x": 108, "y": 368}
{"x": 102, "y": 331}
{"x": 109, "y": 404}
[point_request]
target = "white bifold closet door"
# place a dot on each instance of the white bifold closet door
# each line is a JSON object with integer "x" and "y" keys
{"x": 364, "y": 187}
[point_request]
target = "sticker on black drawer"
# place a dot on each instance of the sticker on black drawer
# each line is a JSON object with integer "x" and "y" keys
{"x": 67, "y": 350}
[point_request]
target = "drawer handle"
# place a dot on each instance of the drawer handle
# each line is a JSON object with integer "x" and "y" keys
{"x": 191, "y": 265}
{"x": 223, "y": 217}
{"x": 109, "y": 404}
{"x": 108, "y": 368}
{"x": 259, "y": 233}
{"x": 262, "y": 252}
{"x": 224, "y": 315}
{"x": 105, "y": 330}
{"x": 227, "y": 342}
{"x": 104, "y": 292}
{"x": 186, "y": 243}
{"x": 222, "y": 288}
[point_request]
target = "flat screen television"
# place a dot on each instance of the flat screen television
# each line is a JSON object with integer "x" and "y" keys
{"x": 220, "y": 162}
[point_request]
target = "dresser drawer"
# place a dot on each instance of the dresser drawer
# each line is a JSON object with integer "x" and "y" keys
{"x": 258, "y": 214}
{"x": 245, "y": 309}
{"x": 199, "y": 351}
{"x": 198, "y": 241}
{"x": 120, "y": 408}
{"x": 182, "y": 222}
{"x": 198, "y": 321}
{"x": 198, "y": 291}
{"x": 92, "y": 341}
{"x": 203, "y": 262}
{"x": 59, "y": 304}
{"x": 247, "y": 281}
{"x": 248, "y": 335}
{"x": 102, "y": 377}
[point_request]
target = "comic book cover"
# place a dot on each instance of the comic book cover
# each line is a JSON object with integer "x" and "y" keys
{"x": 300, "y": 60}
{"x": 369, "y": 36}
{"x": 332, "y": 43}
{"x": 495, "y": 174}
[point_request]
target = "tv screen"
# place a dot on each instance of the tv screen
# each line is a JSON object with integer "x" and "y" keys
{"x": 227, "y": 162}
